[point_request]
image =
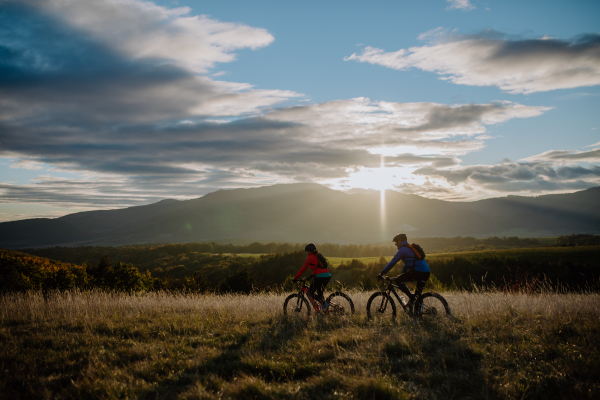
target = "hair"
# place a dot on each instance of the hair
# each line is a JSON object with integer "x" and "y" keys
{"x": 401, "y": 237}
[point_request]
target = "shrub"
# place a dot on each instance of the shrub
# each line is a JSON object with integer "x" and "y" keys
{"x": 126, "y": 278}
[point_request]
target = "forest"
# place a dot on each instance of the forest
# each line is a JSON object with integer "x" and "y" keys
{"x": 572, "y": 264}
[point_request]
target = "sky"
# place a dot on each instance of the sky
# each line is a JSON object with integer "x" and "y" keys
{"x": 108, "y": 104}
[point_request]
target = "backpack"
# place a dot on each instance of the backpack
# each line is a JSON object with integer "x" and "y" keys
{"x": 418, "y": 250}
{"x": 322, "y": 261}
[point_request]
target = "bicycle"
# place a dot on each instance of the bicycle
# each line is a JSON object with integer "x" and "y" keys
{"x": 298, "y": 303}
{"x": 428, "y": 306}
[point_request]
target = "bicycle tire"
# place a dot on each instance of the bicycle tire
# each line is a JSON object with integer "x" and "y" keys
{"x": 296, "y": 308}
{"x": 381, "y": 305}
{"x": 432, "y": 306}
{"x": 339, "y": 304}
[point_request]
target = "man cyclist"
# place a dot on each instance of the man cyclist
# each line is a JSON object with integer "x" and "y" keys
{"x": 322, "y": 276}
{"x": 413, "y": 270}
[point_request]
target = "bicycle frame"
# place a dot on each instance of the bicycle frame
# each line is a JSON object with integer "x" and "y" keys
{"x": 390, "y": 289}
{"x": 304, "y": 292}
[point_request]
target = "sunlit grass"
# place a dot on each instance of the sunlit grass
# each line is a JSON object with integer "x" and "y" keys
{"x": 102, "y": 345}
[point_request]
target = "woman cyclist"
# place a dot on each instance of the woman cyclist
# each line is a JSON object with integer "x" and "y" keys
{"x": 321, "y": 274}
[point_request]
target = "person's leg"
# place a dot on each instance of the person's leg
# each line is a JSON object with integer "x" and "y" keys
{"x": 405, "y": 277}
{"x": 320, "y": 284}
{"x": 421, "y": 278}
{"x": 312, "y": 288}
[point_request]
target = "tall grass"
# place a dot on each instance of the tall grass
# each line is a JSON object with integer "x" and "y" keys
{"x": 105, "y": 345}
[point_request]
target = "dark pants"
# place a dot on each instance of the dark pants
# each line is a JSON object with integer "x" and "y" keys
{"x": 318, "y": 285}
{"x": 411, "y": 276}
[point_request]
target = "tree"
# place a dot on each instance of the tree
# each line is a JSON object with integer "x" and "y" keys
{"x": 240, "y": 282}
{"x": 197, "y": 283}
{"x": 126, "y": 278}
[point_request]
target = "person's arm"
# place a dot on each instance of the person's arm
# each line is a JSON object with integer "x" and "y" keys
{"x": 306, "y": 263}
{"x": 394, "y": 261}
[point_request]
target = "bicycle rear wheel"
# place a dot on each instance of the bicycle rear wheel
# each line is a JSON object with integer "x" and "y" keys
{"x": 296, "y": 305}
{"x": 381, "y": 306}
{"x": 431, "y": 307}
{"x": 340, "y": 304}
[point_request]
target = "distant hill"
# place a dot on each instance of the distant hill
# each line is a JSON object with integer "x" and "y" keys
{"x": 310, "y": 213}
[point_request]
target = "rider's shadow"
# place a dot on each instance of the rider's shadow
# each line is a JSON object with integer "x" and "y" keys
{"x": 284, "y": 329}
{"x": 451, "y": 366}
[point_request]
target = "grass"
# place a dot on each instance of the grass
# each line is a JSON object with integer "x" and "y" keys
{"x": 113, "y": 346}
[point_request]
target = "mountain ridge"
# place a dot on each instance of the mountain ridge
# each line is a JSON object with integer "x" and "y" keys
{"x": 307, "y": 212}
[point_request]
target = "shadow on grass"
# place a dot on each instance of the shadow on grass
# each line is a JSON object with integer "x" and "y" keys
{"x": 437, "y": 361}
{"x": 230, "y": 363}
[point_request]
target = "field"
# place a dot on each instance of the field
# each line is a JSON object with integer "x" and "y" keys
{"x": 582, "y": 254}
{"x": 102, "y": 345}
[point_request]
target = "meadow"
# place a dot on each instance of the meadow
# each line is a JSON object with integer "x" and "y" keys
{"x": 96, "y": 344}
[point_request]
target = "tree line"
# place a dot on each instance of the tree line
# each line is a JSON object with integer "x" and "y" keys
{"x": 145, "y": 254}
{"x": 219, "y": 273}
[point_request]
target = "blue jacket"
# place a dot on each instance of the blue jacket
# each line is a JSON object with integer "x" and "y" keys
{"x": 408, "y": 256}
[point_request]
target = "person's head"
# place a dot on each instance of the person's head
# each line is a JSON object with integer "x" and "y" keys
{"x": 310, "y": 248}
{"x": 399, "y": 238}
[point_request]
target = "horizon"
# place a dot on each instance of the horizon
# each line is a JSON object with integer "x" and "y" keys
{"x": 359, "y": 191}
{"x": 113, "y": 104}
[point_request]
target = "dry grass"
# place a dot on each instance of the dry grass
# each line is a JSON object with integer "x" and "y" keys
{"x": 102, "y": 345}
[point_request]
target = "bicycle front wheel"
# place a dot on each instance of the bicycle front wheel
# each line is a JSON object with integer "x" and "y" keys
{"x": 381, "y": 306}
{"x": 340, "y": 304}
{"x": 296, "y": 305}
{"x": 431, "y": 307}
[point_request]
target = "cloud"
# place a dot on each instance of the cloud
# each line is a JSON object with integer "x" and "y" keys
{"x": 460, "y": 5}
{"x": 52, "y": 71}
{"x": 26, "y": 164}
{"x": 143, "y": 30}
{"x": 303, "y": 143}
{"x": 567, "y": 156}
{"x": 139, "y": 126}
{"x": 491, "y": 58}
{"x": 481, "y": 181}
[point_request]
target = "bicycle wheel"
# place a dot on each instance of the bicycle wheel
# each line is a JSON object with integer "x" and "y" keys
{"x": 381, "y": 306}
{"x": 296, "y": 305}
{"x": 431, "y": 307}
{"x": 340, "y": 304}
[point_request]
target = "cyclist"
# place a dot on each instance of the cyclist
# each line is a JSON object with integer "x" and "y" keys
{"x": 413, "y": 270}
{"x": 322, "y": 276}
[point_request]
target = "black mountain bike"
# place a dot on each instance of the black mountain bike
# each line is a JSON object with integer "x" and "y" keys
{"x": 298, "y": 303}
{"x": 428, "y": 306}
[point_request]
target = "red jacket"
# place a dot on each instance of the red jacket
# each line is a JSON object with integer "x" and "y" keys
{"x": 313, "y": 262}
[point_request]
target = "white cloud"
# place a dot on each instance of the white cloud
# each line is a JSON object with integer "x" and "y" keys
{"x": 567, "y": 156}
{"x": 26, "y": 164}
{"x": 460, "y": 5}
{"x": 490, "y": 59}
{"x": 141, "y": 29}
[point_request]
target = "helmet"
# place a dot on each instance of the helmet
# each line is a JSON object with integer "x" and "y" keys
{"x": 401, "y": 237}
{"x": 310, "y": 247}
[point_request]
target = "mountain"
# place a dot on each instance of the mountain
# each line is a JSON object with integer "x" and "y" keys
{"x": 310, "y": 213}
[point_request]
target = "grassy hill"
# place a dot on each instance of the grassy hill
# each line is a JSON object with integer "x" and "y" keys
{"x": 101, "y": 345}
